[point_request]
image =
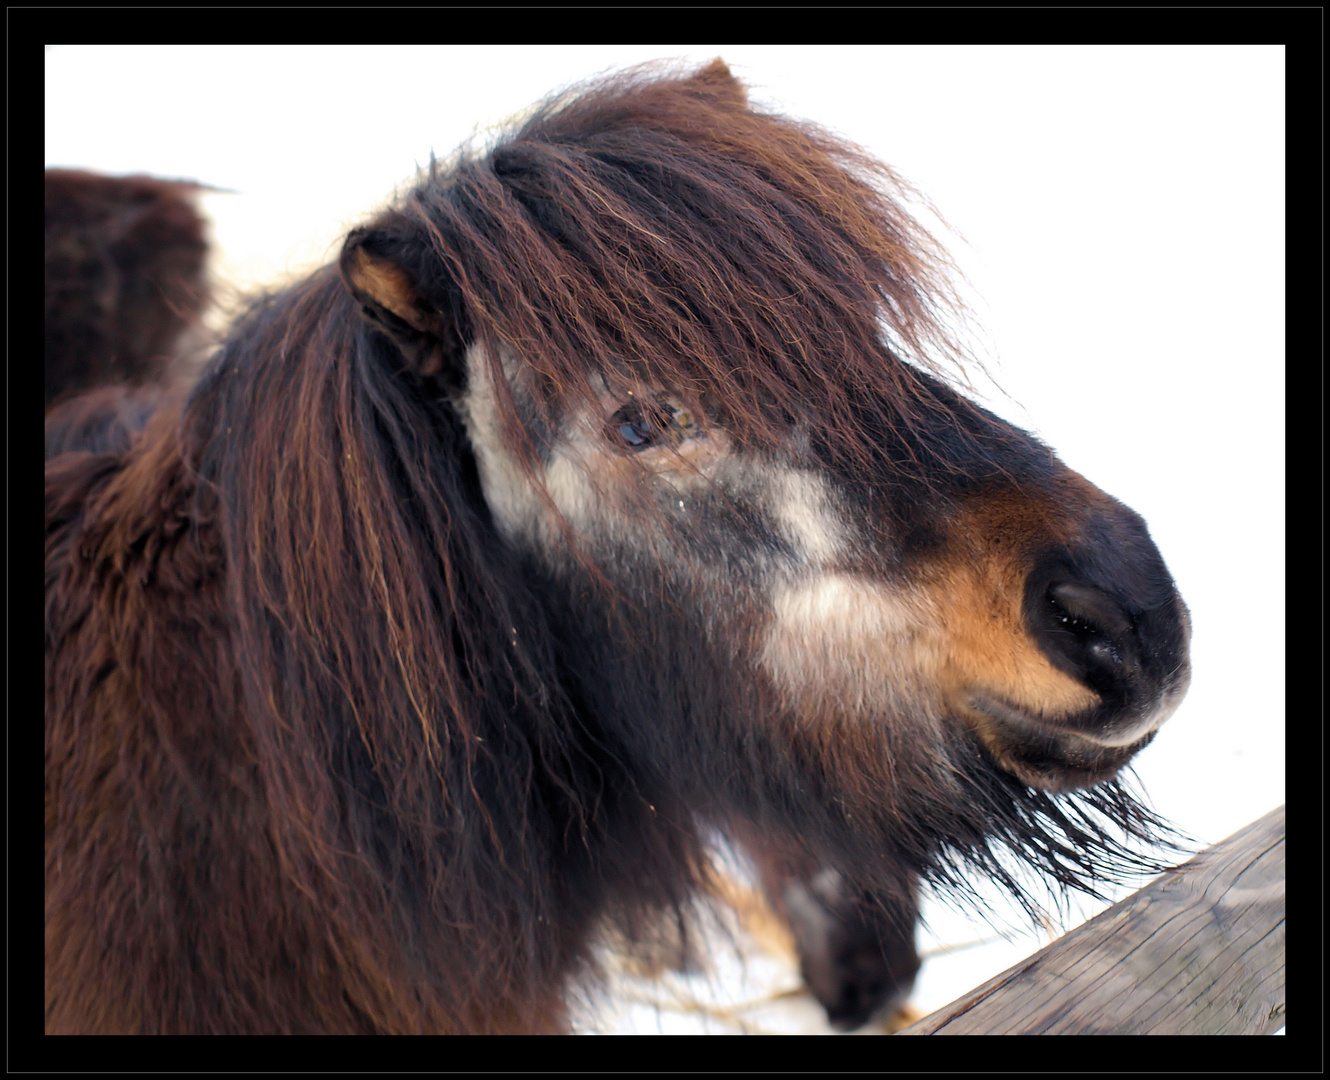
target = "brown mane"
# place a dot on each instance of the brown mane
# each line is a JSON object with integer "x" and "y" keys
{"x": 661, "y": 232}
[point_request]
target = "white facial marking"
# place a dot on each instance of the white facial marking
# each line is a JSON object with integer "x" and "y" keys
{"x": 505, "y": 483}
{"x": 570, "y": 477}
{"x": 836, "y": 638}
{"x": 802, "y": 507}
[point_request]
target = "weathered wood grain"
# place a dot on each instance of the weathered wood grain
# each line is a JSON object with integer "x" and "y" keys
{"x": 1199, "y": 951}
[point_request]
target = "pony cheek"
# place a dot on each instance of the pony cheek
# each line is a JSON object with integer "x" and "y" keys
{"x": 841, "y": 645}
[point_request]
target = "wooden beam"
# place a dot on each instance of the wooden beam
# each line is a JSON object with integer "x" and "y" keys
{"x": 1198, "y": 951}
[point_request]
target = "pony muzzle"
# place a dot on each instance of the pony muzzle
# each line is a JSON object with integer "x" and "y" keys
{"x": 1133, "y": 658}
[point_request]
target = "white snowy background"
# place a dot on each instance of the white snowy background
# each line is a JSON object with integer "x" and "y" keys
{"x": 1122, "y": 210}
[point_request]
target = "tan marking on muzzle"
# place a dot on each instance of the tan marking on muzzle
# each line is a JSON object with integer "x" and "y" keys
{"x": 854, "y": 646}
{"x": 981, "y": 620}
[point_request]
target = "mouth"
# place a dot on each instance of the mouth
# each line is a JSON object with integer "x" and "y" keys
{"x": 1043, "y": 753}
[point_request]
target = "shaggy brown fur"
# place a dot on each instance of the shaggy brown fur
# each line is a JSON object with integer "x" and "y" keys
{"x": 325, "y": 752}
{"x": 125, "y": 277}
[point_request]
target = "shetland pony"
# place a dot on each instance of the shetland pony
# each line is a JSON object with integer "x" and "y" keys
{"x": 607, "y": 491}
{"x": 125, "y": 278}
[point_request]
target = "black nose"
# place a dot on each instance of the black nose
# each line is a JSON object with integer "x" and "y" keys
{"x": 1089, "y": 634}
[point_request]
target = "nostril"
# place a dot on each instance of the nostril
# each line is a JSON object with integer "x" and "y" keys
{"x": 1113, "y": 622}
{"x": 1088, "y": 612}
{"x": 1090, "y": 634}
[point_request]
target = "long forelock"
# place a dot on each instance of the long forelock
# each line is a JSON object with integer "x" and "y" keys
{"x": 658, "y": 233}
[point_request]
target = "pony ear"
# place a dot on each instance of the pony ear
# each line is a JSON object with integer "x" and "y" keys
{"x": 716, "y": 80}
{"x": 384, "y": 268}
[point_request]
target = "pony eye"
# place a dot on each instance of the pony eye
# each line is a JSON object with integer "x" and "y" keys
{"x": 637, "y": 427}
{"x": 632, "y": 428}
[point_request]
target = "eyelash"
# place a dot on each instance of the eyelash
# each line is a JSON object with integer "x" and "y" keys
{"x": 637, "y": 427}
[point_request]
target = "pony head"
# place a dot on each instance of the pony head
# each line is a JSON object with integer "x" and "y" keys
{"x": 698, "y": 352}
